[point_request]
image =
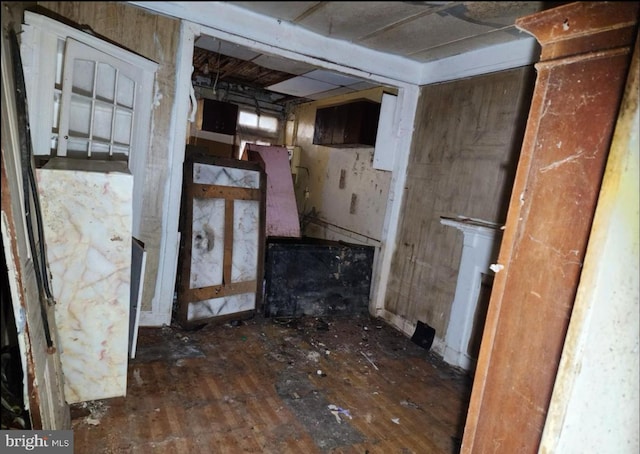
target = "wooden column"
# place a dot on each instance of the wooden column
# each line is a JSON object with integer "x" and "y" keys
{"x": 586, "y": 50}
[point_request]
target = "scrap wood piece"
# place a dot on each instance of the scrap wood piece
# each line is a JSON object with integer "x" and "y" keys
{"x": 372, "y": 363}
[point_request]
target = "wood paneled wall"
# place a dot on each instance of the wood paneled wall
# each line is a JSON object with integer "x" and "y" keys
{"x": 465, "y": 150}
{"x": 154, "y": 37}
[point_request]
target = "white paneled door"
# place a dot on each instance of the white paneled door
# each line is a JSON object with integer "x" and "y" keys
{"x": 88, "y": 99}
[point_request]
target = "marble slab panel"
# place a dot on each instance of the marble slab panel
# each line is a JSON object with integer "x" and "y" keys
{"x": 221, "y": 306}
{"x": 87, "y": 217}
{"x": 246, "y": 234}
{"x": 225, "y": 176}
{"x": 207, "y": 243}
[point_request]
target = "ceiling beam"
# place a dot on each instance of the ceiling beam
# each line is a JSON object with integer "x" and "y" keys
{"x": 272, "y": 36}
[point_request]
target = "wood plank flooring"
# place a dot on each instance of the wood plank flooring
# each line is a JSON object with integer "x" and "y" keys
{"x": 266, "y": 386}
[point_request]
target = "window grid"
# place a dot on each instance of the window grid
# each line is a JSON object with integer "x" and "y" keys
{"x": 263, "y": 122}
{"x": 114, "y": 149}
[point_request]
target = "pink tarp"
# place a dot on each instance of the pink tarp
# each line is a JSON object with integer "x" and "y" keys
{"x": 282, "y": 211}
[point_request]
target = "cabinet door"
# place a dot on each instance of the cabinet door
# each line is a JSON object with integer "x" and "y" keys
{"x": 221, "y": 253}
{"x": 339, "y": 118}
{"x": 351, "y": 124}
{"x": 217, "y": 116}
{"x": 323, "y": 127}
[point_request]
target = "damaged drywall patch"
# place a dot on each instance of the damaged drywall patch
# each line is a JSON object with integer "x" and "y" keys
{"x": 157, "y": 97}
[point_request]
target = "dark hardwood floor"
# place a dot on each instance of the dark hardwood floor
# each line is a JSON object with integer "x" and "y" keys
{"x": 330, "y": 385}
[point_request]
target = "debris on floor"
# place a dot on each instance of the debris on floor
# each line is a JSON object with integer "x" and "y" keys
{"x": 167, "y": 343}
{"x": 90, "y": 412}
{"x": 280, "y": 386}
{"x": 337, "y": 411}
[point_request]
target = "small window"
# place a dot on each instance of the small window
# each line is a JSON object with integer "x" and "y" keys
{"x": 248, "y": 119}
{"x": 268, "y": 123}
{"x": 264, "y": 122}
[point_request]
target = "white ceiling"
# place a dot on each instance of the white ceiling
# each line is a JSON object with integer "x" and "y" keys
{"x": 411, "y": 33}
{"x": 418, "y": 31}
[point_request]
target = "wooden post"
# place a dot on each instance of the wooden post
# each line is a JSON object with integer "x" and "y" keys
{"x": 586, "y": 50}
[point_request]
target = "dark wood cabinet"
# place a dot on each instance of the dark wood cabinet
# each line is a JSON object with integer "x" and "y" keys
{"x": 353, "y": 124}
{"x": 217, "y": 116}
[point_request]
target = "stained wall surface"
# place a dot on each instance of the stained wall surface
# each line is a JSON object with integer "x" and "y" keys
{"x": 465, "y": 150}
{"x": 346, "y": 197}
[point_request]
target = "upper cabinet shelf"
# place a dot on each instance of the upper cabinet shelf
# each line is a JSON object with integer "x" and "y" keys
{"x": 353, "y": 124}
{"x": 217, "y": 116}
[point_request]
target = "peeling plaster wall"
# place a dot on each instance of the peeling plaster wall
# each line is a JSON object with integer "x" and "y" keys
{"x": 154, "y": 37}
{"x": 465, "y": 150}
{"x": 347, "y": 195}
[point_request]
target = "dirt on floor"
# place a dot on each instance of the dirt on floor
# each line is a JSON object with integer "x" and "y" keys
{"x": 308, "y": 384}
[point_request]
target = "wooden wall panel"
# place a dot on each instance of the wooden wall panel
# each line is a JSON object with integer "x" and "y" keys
{"x": 466, "y": 143}
{"x": 154, "y": 37}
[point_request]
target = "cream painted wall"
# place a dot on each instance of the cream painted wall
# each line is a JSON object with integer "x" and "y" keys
{"x": 320, "y": 173}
